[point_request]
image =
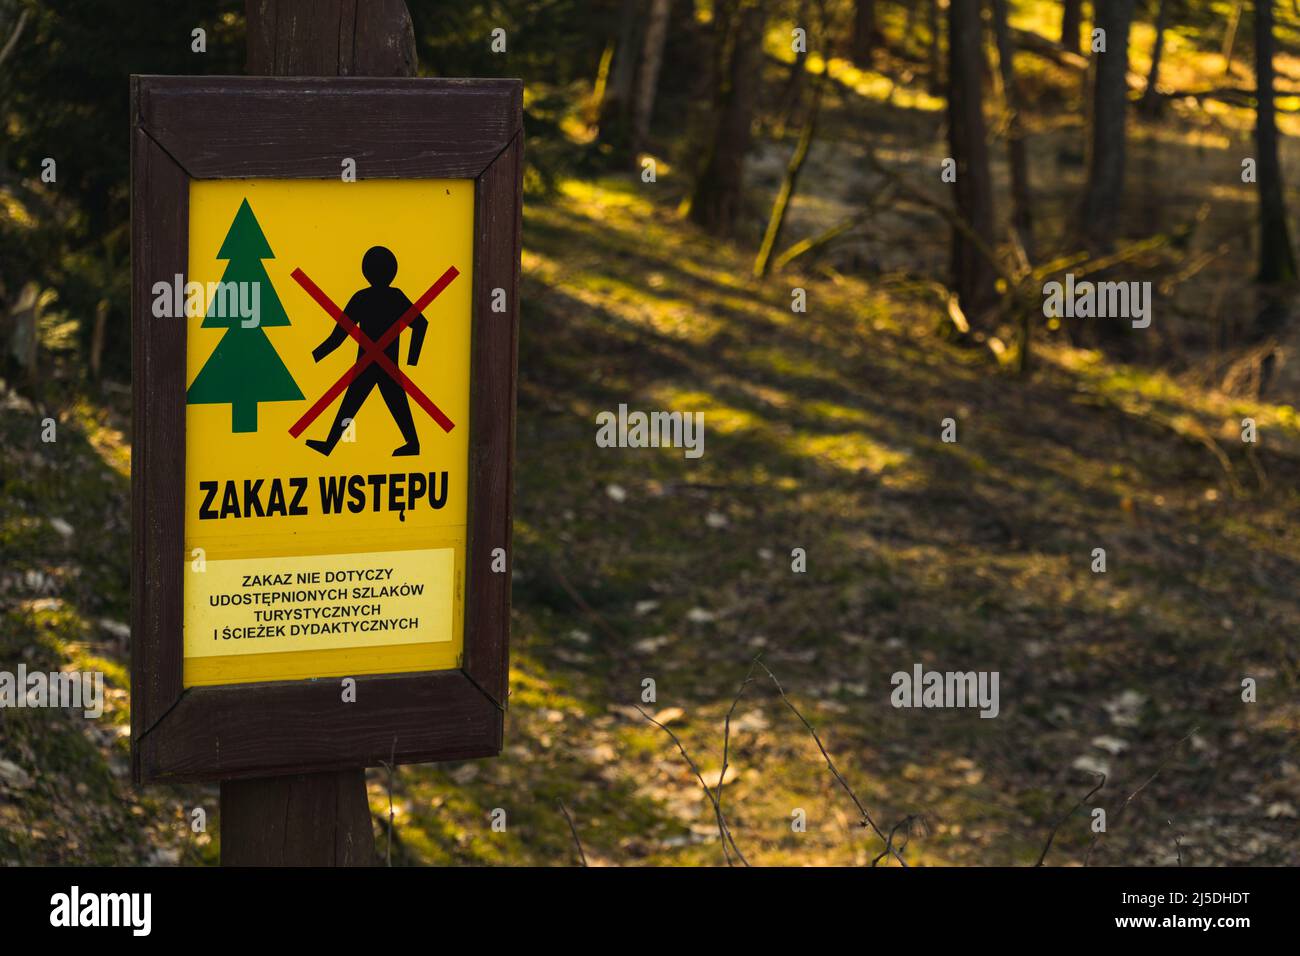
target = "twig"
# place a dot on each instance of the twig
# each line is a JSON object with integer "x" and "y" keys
{"x": 13, "y": 37}
{"x": 392, "y": 758}
{"x": 723, "y": 830}
{"x": 1074, "y": 809}
{"x": 572, "y": 829}
{"x": 726, "y": 735}
{"x": 831, "y": 764}
{"x": 834, "y": 232}
{"x": 1190, "y": 430}
{"x": 889, "y": 844}
{"x": 1124, "y": 806}
{"x": 785, "y": 195}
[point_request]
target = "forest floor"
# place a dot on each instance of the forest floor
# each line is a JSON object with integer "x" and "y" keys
{"x": 822, "y": 433}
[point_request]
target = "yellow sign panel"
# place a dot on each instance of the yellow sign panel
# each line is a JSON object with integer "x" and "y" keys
{"x": 327, "y": 426}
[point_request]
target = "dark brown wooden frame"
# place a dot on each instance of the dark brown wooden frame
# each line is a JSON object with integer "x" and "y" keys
{"x": 185, "y": 128}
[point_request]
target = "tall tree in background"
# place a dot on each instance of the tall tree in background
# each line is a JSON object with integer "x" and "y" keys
{"x": 1230, "y": 35}
{"x": 864, "y": 32}
{"x": 1104, "y": 192}
{"x": 785, "y": 194}
{"x": 793, "y": 90}
{"x": 1022, "y": 219}
{"x": 1071, "y": 21}
{"x": 973, "y": 274}
{"x": 63, "y": 93}
{"x": 616, "y": 85}
{"x": 715, "y": 200}
{"x": 936, "y": 47}
{"x": 1276, "y": 263}
{"x": 652, "y": 55}
{"x": 1150, "y": 98}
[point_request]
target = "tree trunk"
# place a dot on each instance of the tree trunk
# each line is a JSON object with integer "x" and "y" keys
{"x": 1022, "y": 219}
{"x": 1105, "y": 189}
{"x": 652, "y": 54}
{"x": 614, "y": 123}
{"x": 1071, "y": 21}
{"x": 97, "y": 340}
{"x": 973, "y": 274}
{"x": 320, "y": 819}
{"x": 864, "y": 32}
{"x": 909, "y": 25}
{"x": 716, "y": 199}
{"x": 785, "y": 194}
{"x": 1150, "y": 98}
{"x": 1276, "y": 263}
{"x": 1230, "y": 35}
{"x": 936, "y": 48}
{"x": 793, "y": 91}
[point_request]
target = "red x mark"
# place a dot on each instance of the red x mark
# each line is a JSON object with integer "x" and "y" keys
{"x": 374, "y": 350}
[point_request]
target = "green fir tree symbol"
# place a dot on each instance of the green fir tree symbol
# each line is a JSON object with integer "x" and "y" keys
{"x": 244, "y": 369}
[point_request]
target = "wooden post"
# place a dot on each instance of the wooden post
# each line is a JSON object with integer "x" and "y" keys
{"x": 318, "y": 819}
{"x": 330, "y": 38}
{"x": 311, "y": 819}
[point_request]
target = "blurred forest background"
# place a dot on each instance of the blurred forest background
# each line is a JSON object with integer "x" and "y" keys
{"x": 777, "y": 165}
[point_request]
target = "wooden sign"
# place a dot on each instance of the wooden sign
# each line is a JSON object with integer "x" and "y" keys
{"x": 325, "y": 282}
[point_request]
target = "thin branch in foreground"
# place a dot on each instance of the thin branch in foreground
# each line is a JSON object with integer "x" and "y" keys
{"x": 866, "y": 817}
{"x": 889, "y": 844}
{"x": 726, "y": 738}
{"x": 392, "y": 761}
{"x": 1124, "y": 806}
{"x": 1061, "y": 822}
{"x": 723, "y": 830}
{"x": 572, "y": 829}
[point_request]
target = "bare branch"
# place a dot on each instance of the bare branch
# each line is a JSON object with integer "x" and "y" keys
{"x": 889, "y": 844}
{"x": 1124, "y": 806}
{"x": 1059, "y": 823}
{"x": 723, "y": 830}
{"x": 1178, "y": 843}
{"x": 392, "y": 759}
{"x": 866, "y": 817}
{"x": 726, "y": 740}
{"x": 572, "y": 829}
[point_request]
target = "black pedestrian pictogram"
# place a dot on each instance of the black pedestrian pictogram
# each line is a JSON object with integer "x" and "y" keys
{"x": 375, "y": 310}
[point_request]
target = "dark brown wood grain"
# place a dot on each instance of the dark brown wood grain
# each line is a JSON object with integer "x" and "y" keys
{"x": 189, "y": 128}
{"x": 318, "y": 819}
{"x": 295, "y": 726}
{"x": 330, "y": 38}
{"x": 304, "y": 127}
{"x": 160, "y": 225}
{"x": 492, "y": 398}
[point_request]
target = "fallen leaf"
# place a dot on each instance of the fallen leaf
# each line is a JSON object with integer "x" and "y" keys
{"x": 669, "y": 714}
